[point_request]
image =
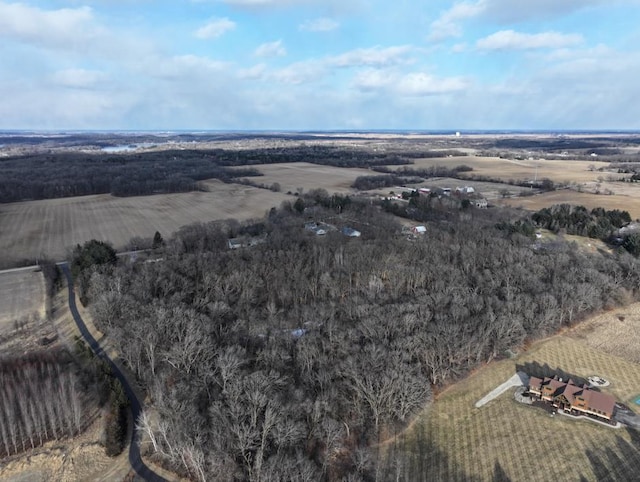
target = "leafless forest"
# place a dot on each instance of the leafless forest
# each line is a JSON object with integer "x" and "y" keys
{"x": 41, "y": 399}
{"x": 291, "y": 359}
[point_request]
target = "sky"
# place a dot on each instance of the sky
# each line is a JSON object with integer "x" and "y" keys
{"x": 320, "y": 64}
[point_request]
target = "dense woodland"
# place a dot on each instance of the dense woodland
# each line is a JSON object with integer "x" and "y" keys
{"x": 595, "y": 223}
{"x": 289, "y": 359}
{"x": 76, "y": 174}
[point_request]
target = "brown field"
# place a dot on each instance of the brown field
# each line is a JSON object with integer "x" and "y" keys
{"x": 525, "y": 443}
{"x": 489, "y": 190}
{"x": 513, "y": 170}
{"x": 566, "y": 196}
{"x": 292, "y": 176}
{"x": 614, "y": 332}
{"x": 47, "y": 228}
{"x": 22, "y": 295}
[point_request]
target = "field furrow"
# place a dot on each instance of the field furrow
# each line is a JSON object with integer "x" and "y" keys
{"x": 505, "y": 438}
{"x": 47, "y": 228}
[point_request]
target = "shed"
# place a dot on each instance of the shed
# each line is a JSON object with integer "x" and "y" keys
{"x": 352, "y": 233}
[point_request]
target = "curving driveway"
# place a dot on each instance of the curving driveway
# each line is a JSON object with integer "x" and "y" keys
{"x": 136, "y": 407}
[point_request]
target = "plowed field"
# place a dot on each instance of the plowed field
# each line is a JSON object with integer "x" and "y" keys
{"x": 34, "y": 229}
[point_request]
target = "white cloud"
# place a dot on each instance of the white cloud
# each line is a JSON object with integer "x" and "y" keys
{"x": 421, "y": 84}
{"x": 314, "y": 70}
{"x": 332, "y": 4}
{"x": 271, "y": 49}
{"x": 322, "y": 24}
{"x": 215, "y": 28}
{"x": 58, "y": 28}
{"x": 183, "y": 67}
{"x": 527, "y": 10}
{"x": 373, "y": 57}
{"x": 301, "y": 72}
{"x": 413, "y": 84}
{"x": 78, "y": 78}
{"x": 510, "y": 40}
{"x": 257, "y": 72}
{"x": 447, "y": 25}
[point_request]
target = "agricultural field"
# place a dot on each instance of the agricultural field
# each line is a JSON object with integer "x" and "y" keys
{"x": 307, "y": 176}
{"x": 512, "y": 170}
{"x": 34, "y": 229}
{"x": 488, "y": 190}
{"x": 566, "y": 196}
{"x": 507, "y": 439}
{"x": 22, "y": 295}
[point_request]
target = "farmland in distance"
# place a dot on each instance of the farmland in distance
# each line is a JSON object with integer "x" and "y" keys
{"x": 34, "y": 229}
{"x": 295, "y": 175}
{"x": 22, "y": 295}
{"x": 560, "y": 170}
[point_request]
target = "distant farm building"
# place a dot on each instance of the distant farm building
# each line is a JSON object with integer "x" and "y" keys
{"x": 465, "y": 191}
{"x": 572, "y": 398}
{"x": 237, "y": 243}
{"x": 419, "y": 230}
{"x": 423, "y": 191}
{"x": 314, "y": 228}
{"x": 350, "y": 232}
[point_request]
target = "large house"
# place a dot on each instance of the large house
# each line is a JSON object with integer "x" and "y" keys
{"x": 572, "y": 398}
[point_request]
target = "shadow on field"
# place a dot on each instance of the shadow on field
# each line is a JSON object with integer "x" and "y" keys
{"x": 499, "y": 475}
{"x": 619, "y": 464}
{"x": 417, "y": 458}
{"x": 538, "y": 370}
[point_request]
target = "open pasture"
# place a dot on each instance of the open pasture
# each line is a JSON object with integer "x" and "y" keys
{"x": 22, "y": 295}
{"x": 307, "y": 176}
{"x": 47, "y": 228}
{"x": 488, "y": 190}
{"x": 566, "y": 196}
{"x": 522, "y": 170}
{"x": 505, "y": 438}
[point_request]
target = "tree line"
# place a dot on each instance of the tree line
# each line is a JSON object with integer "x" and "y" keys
{"x": 596, "y": 223}
{"x": 289, "y": 359}
{"x": 40, "y": 176}
{"x": 55, "y": 175}
{"x": 41, "y": 399}
{"x": 404, "y": 175}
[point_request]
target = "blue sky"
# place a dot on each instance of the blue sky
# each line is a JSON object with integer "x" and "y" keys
{"x": 319, "y": 64}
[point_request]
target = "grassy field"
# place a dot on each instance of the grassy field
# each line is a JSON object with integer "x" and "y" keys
{"x": 488, "y": 190}
{"x": 22, "y": 294}
{"x": 539, "y": 201}
{"x": 36, "y": 228}
{"x": 292, "y": 176}
{"x": 505, "y": 438}
{"x": 506, "y": 169}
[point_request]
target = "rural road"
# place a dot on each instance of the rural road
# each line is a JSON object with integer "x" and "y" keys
{"x": 136, "y": 407}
